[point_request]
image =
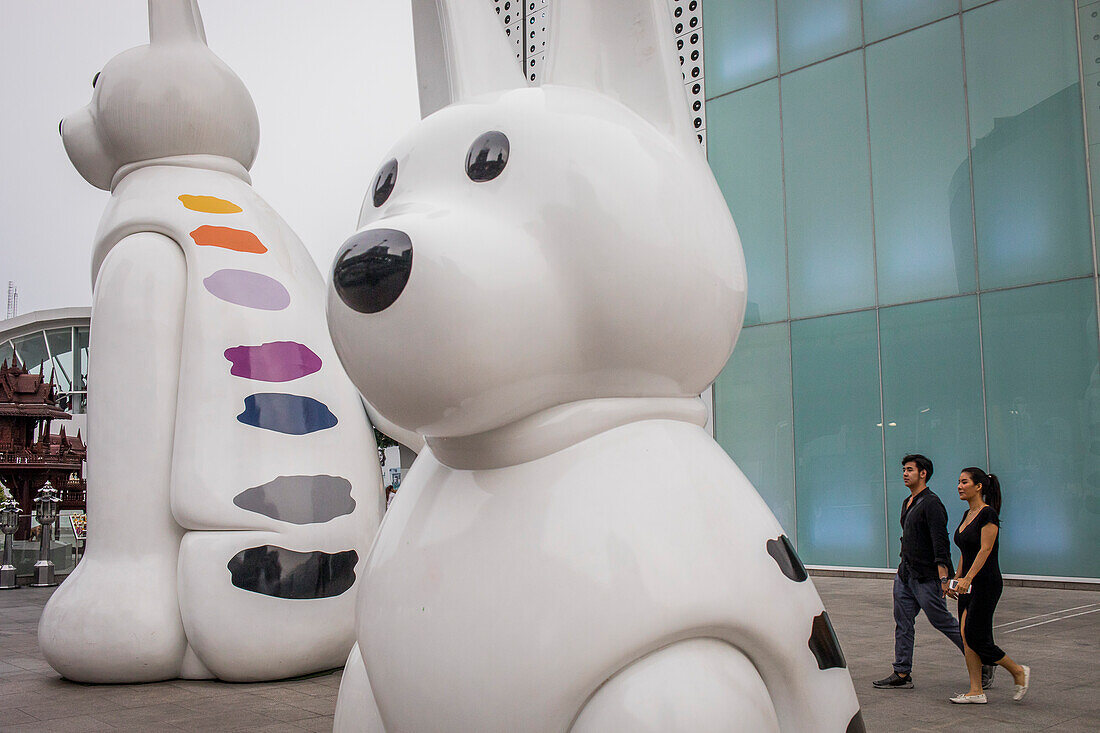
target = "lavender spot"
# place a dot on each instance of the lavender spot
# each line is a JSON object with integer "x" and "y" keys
{"x": 278, "y": 361}
{"x": 250, "y": 289}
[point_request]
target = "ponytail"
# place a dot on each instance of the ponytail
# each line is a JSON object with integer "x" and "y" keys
{"x": 992, "y": 493}
{"x": 991, "y": 486}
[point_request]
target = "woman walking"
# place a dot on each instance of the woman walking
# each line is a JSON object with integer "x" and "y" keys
{"x": 978, "y": 583}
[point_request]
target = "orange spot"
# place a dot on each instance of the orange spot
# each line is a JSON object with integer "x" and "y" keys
{"x": 209, "y": 204}
{"x": 237, "y": 240}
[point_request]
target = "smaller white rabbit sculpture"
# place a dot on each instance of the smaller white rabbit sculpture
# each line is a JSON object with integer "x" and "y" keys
{"x": 571, "y": 550}
{"x": 233, "y": 480}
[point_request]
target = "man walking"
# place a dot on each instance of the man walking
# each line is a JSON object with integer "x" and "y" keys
{"x": 921, "y": 582}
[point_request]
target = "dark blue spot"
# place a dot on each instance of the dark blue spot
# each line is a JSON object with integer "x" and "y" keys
{"x": 856, "y": 724}
{"x": 785, "y": 557}
{"x": 299, "y": 499}
{"x": 281, "y": 573}
{"x": 824, "y": 644}
{"x": 286, "y": 413}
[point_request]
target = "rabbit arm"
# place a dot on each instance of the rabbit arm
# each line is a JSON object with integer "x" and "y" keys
{"x": 356, "y": 709}
{"x": 117, "y": 619}
{"x": 698, "y": 685}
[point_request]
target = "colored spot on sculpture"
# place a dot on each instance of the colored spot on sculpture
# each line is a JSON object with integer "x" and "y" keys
{"x": 209, "y": 204}
{"x": 278, "y": 361}
{"x": 299, "y": 499}
{"x": 286, "y": 413}
{"x": 856, "y": 724}
{"x": 250, "y": 289}
{"x": 785, "y": 557}
{"x": 281, "y": 573}
{"x": 237, "y": 240}
{"x": 824, "y": 644}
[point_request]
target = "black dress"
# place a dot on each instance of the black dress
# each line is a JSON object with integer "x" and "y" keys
{"x": 985, "y": 591}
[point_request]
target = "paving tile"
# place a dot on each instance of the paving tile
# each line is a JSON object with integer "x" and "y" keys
{"x": 1065, "y": 694}
{"x": 74, "y": 724}
{"x": 14, "y": 716}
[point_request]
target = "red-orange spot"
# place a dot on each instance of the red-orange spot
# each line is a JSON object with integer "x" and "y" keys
{"x": 237, "y": 240}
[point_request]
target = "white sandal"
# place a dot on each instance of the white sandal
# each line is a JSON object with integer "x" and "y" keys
{"x": 1021, "y": 690}
{"x": 971, "y": 699}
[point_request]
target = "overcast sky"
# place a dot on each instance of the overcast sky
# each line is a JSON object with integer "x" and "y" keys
{"x": 333, "y": 81}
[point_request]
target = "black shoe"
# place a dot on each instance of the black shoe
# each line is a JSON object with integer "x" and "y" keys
{"x": 987, "y": 675}
{"x": 895, "y": 682}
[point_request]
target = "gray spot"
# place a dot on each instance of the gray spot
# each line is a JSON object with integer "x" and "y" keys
{"x": 299, "y": 499}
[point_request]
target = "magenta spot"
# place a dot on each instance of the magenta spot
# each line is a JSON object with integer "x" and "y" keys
{"x": 278, "y": 361}
{"x": 250, "y": 289}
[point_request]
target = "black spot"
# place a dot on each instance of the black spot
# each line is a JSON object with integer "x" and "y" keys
{"x": 281, "y": 573}
{"x": 372, "y": 269}
{"x": 785, "y": 557}
{"x": 95, "y": 79}
{"x": 487, "y": 157}
{"x": 824, "y": 644}
{"x": 384, "y": 182}
{"x": 856, "y": 725}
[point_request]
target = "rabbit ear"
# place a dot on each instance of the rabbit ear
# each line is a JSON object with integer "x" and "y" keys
{"x": 175, "y": 21}
{"x": 461, "y": 52}
{"x": 624, "y": 49}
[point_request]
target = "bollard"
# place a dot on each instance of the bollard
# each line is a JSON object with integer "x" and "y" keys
{"x": 46, "y": 507}
{"x": 9, "y": 523}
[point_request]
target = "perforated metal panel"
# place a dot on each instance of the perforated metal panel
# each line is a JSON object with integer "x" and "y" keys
{"x": 687, "y": 24}
{"x": 510, "y": 13}
{"x": 527, "y": 24}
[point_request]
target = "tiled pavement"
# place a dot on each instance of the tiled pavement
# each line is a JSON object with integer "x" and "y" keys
{"x": 1062, "y": 653}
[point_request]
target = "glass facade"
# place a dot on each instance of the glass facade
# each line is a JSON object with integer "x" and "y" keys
{"x": 911, "y": 182}
{"x": 62, "y": 352}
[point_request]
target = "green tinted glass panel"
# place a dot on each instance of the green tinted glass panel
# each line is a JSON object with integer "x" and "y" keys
{"x": 6, "y": 352}
{"x": 31, "y": 350}
{"x": 739, "y": 43}
{"x": 828, "y": 188}
{"x": 838, "y": 441}
{"x": 923, "y": 226}
{"x": 1043, "y": 393}
{"x": 882, "y": 18}
{"x": 812, "y": 30}
{"x": 60, "y": 341}
{"x": 752, "y": 416}
{"x": 743, "y": 149}
{"x": 80, "y": 338}
{"x": 932, "y": 398}
{"x": 1030, "y": 192}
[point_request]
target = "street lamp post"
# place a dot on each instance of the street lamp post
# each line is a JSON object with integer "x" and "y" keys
{"x": 46, "y": 506}
{"x": 9, "y": 523}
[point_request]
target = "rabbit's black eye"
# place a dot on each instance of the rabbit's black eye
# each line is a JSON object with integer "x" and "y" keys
{"x": 384, "y": 182}
{"x": 487, "y": 157}
{"x": 95, "y": 79}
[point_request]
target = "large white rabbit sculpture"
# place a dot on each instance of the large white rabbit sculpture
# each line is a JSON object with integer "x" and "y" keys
{"x": 571, "y": 550}
{"x": 234, "y": 485}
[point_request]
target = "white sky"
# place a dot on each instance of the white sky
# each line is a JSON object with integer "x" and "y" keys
{"x": 333, "y": 81}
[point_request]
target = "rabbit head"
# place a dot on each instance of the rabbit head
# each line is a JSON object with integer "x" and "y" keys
{"x": 171, "y": 97}
{"x": 524, "y": 248}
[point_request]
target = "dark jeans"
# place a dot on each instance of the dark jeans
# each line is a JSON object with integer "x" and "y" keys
{"x": 911, "y": 596}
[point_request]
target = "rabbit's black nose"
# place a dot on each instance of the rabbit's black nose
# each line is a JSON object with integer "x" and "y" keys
{"x": 372, "y": 269}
